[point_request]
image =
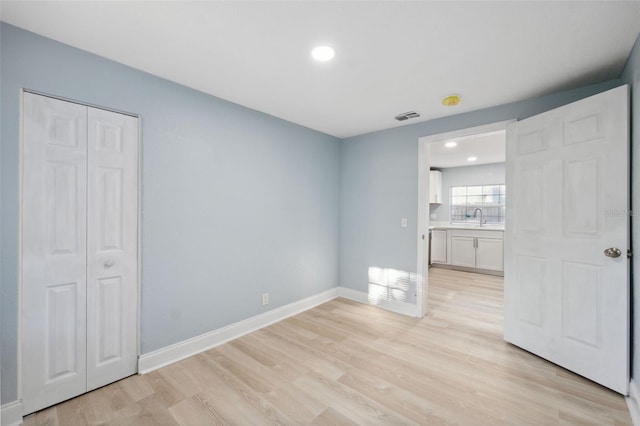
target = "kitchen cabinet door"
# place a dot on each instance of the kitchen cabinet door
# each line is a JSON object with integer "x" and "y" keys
{"x": 463, "y": 252}
{"x": 489, "y": 254}
{"x": 438, "y": 246}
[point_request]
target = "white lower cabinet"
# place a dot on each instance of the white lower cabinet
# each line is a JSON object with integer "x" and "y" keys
{"x": 489, "y": 254}
{"x": 476, "y": 249}
{"x": 439, "y": 246}
{"x": 463, "y": 251}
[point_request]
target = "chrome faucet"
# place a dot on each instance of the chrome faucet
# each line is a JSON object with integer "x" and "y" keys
{"x": 475, "y": 212}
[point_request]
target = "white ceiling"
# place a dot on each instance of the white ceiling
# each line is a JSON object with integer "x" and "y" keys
{"x": 486, "y": 147}
{"x": 391, "y": 57}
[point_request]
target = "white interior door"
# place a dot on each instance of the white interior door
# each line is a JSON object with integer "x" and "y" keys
{"x": 54, "y": 253}
{"x": 565, "y": 300}
{"x": 79, "y": 249}
{"x": 112, "y": 248}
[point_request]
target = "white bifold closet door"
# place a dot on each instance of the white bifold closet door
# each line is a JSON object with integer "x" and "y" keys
{"x": 79, "y": 249}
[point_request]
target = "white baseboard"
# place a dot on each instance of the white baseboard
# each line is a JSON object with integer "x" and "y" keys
{"x": 633, "y": 401}
{"x": 403, "y": 308}
{"x": 11, "y": 414}
{"x": 179, "y": 351}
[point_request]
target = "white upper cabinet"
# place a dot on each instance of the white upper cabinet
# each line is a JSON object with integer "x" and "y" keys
{"x": 435, "y": 187}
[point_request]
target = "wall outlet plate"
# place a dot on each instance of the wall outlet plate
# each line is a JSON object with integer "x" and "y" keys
{"x": 265, "y": 299}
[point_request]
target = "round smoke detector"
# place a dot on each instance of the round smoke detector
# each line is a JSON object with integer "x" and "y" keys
{"x": 451, "y": 100}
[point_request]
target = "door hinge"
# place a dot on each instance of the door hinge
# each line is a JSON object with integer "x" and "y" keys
{"x": 629, "y": 254}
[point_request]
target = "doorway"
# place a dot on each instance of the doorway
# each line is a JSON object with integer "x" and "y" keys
{"x": 456, "y": 240}
{"x": 567, "y": 240}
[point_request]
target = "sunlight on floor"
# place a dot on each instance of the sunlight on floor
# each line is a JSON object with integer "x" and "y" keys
{"x": 387, "y": 284}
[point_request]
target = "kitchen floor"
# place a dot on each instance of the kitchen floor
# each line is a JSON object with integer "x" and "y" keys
{"x": 348, "y": 363}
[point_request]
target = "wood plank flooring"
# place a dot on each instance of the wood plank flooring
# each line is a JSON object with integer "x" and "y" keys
{"x": 345, "y": 363}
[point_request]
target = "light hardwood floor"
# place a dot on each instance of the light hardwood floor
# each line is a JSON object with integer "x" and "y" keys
{"x": 347, "y": 363}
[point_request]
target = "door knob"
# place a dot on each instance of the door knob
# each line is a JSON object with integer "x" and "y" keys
{"x": 110, "y": 263}
{"x": 612, "y": 252}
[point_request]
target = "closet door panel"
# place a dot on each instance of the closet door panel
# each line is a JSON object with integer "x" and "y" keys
{"x": 54, "y": 205}
{"x": 112, "y": 290}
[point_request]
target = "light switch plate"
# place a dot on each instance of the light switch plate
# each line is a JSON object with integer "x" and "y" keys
{"x": 403, "y": 222}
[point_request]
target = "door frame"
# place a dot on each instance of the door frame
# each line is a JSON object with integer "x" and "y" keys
{"x": 423, "y": 220}
{"x": 20, "y": 211}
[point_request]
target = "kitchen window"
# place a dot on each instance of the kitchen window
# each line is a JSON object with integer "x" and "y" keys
{"x": 464, "y": 200}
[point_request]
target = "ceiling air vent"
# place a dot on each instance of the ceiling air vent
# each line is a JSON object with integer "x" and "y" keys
{"x": 407, "y": 115}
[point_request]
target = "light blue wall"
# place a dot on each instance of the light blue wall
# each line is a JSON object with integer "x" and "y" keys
{"x": 235, "y": 202}
{"x": 631, "y": 76}
{"x": 380, "y": 185}
{"x": 484, "y": 174}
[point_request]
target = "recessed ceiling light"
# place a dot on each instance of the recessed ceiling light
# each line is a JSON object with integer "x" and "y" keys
{"x": 451, "y": 144}
{"x": 451, "y": 100}
{"x": 323, "y": 53}
{"x": 472, "y": 158}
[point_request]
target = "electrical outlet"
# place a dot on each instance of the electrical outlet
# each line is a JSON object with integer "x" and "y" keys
{"x": 265, "y": 299}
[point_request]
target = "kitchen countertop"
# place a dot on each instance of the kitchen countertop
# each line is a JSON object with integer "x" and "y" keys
{"x": 444, "y": 226}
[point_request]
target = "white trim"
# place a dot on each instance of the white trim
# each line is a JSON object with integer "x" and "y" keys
{"x": 422, "y": 268}
{"x": 20, "y": 266}
{"x": 75, "y": 101}
{"x": 633, "y": 402}
{"x": 181, "y": 350}
{"x": 355, "y": 295}
{"x": 485, "y": 128}
{"x": 139, "y": 277}
{"x": 403, "y": 308}
{"x": 11, "y": 414}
